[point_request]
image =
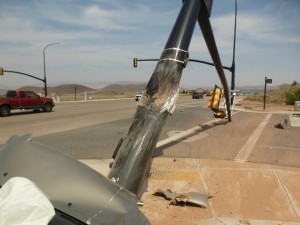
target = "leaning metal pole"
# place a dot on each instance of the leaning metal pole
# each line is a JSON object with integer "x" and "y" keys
{"x": 134, "y": 156}
{"x": 233, "y": 56}
{"x": 203, "y": 20}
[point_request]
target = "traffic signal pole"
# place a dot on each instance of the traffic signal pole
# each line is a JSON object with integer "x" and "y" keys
{"x": 134, "y": 154}
{"x": 24, "y": 74}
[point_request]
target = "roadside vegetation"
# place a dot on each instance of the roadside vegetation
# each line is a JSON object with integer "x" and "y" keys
{"x": 285, "y": 94}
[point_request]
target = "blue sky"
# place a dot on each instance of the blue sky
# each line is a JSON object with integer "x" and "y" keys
{"x": 99, "y": 38}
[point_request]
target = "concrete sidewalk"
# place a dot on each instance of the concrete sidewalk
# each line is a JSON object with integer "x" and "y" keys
{"x": 243, "y": 193}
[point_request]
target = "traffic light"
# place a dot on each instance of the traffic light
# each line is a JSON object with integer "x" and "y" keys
{"x": 214, "y": 99}
{"x": 217, "y": 97}
{"x": 1, "y": 71}
{"x": 210, "y": 100}
{"x": 134, "y": 62}
{"x": 219, "y": 114}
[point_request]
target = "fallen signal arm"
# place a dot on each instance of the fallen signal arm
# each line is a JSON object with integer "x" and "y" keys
{"x": 203, "y": 20}
{"x": 133, "y": 156}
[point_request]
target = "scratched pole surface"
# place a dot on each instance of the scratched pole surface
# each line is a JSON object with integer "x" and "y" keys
{"x": 134, "y": 156}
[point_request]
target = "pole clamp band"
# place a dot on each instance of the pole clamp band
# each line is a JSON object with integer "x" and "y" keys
{"x": 175, "y": 54}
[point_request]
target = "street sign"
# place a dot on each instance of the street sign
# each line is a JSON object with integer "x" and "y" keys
{"x": 269, "y": 81}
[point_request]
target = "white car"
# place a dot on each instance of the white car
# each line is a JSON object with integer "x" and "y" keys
{"x": 138, "y": 96}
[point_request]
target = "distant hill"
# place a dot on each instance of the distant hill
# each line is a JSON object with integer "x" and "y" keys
{"x": 60, "y": 89}
{"x": 66, "y": 89}
{"x": 124, "y": 87}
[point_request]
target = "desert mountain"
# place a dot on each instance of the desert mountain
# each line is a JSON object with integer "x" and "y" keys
{"x": 60, "y": 89}
{"x": 124, "y": 87}
{"x": 66, "y": 89}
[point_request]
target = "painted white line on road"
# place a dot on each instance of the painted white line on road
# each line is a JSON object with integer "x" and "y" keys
{"x": 246, "y": 150}
{"x": 186, "y": 133}
{"x": 283, "y": 148}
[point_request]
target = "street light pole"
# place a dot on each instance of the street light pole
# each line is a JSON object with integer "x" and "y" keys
{"x": 45, "y": 78}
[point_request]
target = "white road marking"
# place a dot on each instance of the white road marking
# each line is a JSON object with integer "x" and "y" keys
{"x": 278, "y": 147}
{"x": 246, "y": 150}
{"x": 184, "y": 134}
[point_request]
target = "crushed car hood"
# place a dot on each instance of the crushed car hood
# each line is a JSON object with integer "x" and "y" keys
{"x": 72, "y": 187}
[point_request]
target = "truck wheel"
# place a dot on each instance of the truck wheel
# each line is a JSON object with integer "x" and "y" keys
{"x": 47, "y": 107}
{"x": 4, "y": 110}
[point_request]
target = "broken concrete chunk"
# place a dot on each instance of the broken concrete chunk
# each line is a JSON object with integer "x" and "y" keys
{"x": 196, "y": 198}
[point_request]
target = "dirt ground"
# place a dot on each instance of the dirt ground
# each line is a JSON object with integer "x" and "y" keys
{"x": 258, "y": 106}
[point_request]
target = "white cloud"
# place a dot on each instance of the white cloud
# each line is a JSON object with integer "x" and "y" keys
{"x": 107, "y": 34}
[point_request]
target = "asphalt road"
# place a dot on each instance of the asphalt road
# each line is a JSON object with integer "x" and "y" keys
{"x": 91, "y": 130}
{"x": 65, "y": 116}
{"x": 88, "y": 129}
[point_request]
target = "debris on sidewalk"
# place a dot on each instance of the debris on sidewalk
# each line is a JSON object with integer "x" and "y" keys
{"x": 195, "y": 198}
{"x": 279, "y": 126}
{"x": 282, "y": 126}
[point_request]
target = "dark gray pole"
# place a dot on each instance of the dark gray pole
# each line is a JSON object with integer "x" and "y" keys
{"x": 209, "y": 38}
{"x": 134, "y": 156}
{"x": 25, "y": 74}
{"x": 233, "y": 57}
{"x": 265, "y": 92}
{"x": 45, "y": 78}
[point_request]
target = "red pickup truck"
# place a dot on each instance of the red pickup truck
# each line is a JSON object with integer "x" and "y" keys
{"x": 24, "y": 100}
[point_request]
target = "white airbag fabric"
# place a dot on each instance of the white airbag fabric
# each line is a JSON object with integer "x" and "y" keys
{"x": 23, "y": 203}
